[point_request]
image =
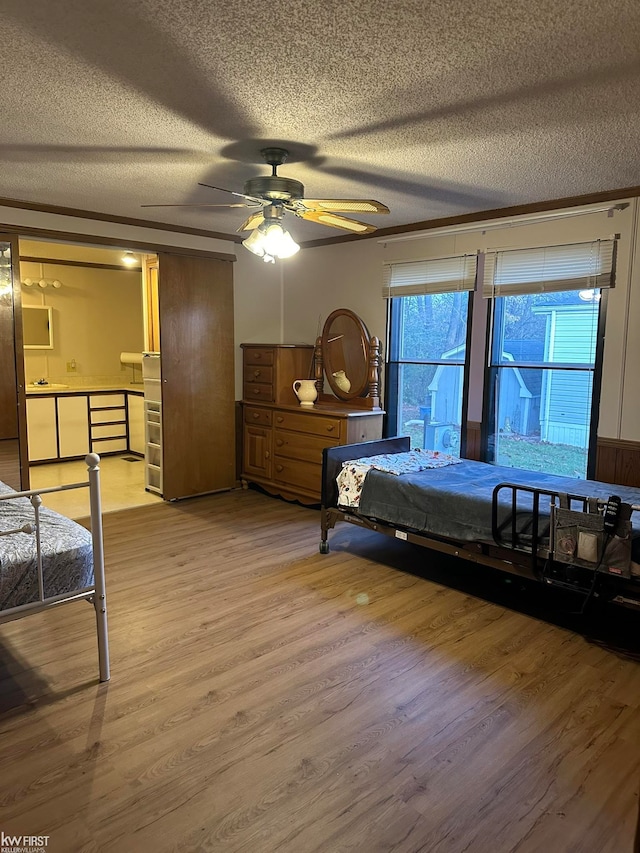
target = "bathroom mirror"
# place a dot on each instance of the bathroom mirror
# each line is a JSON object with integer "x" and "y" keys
{"x": 349, "y": 356}
{"x": 37, "y": 328}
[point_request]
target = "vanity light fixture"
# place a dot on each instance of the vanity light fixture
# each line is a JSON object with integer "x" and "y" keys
{"x": 270, "y": 240}
{"x": 129, "y": 259}
{"x": 42, "y": 282}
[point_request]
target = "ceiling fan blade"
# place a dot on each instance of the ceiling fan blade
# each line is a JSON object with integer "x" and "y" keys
{"x": 326, "y": 218}
{"x": 237, "y": 204}
{"x": 345, "y": 205}
{"x": 240, "y": 195}
{"x": 252, "y": 222}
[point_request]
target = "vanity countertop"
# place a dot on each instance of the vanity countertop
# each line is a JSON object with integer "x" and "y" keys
{"x": 39, "y": 390}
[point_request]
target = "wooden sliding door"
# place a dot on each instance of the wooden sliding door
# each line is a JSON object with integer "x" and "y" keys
{"x": 198, "y": 388}
{"x": 14, "y": 468}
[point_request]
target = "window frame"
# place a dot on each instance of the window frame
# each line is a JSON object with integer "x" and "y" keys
{"x": 491, "y": 383}
{"x": 393, "y": 364}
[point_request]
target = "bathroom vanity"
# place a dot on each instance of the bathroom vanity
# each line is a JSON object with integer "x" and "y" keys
{"x": 69, "y": 423}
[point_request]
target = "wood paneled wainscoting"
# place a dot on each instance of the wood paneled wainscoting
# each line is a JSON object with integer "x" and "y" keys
{"x": 474, "y": 441}
{"x": 618, "y": 461}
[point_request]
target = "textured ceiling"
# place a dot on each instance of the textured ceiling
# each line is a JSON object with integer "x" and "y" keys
{"x": 433, "y": 108}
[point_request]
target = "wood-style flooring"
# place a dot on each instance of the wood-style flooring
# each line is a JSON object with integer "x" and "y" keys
{"x": 265, "y": 697}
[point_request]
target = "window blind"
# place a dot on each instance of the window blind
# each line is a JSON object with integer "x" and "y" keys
{"x": 436, "y": 275}
{"x": 575, "y": 266}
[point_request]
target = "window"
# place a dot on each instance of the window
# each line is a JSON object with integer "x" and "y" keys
{"x": 546, "y": 349}
{"x": 428, "y": 343}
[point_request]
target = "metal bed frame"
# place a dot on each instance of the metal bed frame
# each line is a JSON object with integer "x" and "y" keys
{"x": 524, "y": 551}
{"x": 96, "y": 593}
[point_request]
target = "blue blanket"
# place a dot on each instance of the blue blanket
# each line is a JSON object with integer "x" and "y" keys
{"x": 455, "y": 502}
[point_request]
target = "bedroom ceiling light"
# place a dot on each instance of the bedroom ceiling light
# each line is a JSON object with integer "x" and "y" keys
{"x": 129, "y": 259}
{"x": 270, "y": 240}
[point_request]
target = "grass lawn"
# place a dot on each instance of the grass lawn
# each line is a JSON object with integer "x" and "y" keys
{"x": 562, "y": 459}
{"x": 518, "y": 452}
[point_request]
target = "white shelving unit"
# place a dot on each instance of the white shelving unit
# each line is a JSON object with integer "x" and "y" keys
{"x": 152, "y": 422}
{"x": 153, "y": 446}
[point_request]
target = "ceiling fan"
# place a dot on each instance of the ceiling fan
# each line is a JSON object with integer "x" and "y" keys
{"x": 272, "y": 196}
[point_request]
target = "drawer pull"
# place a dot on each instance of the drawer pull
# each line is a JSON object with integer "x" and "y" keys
{"x": 257, "y": 355}
{"x": 279, "y": 419}
{"x": 267, "y": 455}
{"x": 257, "y": 373}
{"x": 256, "y": 390}
{"x": 279, "y": 442}
{"x": 256, "y": 415}
{"x": 330, "y": 428}
{"x": 279, "y": 468}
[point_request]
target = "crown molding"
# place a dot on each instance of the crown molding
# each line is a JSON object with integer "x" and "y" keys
{"x": 481, "y": 216}
{"x": 120, "y": 220}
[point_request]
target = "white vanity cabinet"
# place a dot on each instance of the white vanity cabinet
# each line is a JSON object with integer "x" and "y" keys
{"x": 135, "y": 414}
{"x": 70, "y": 425}
{"x": 42, "y": 431}
{"x": 57, "y": 427}
{"x": 73, "y": 426}
{"x": 108, "y": 422}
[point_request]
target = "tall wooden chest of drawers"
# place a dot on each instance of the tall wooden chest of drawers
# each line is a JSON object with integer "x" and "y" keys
{"x": 269, "y": 371}
{"x": 283, "y": 441}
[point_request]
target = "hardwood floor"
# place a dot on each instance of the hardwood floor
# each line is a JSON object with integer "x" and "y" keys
{"x": 268, "y": 698}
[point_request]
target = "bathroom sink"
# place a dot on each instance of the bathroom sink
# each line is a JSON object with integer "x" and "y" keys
{"x": 50, "y": 386}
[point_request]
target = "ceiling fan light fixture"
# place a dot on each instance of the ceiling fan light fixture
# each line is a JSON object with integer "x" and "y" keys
{"x": 278, "y": 241}
{"x": 271, "y": 195}
{"x": 255, "y": 243}
{"x": 270, "y": 241}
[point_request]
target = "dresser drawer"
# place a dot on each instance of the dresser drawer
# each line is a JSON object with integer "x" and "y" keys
{"x": 253, "y": 415}
{"x": 257, "y": 356}
{"x": 258, "y": 391}
{"x": 309, "y": 423}
{"x": 258, "y": 373}
{"x": 302, "y": 475}
{"x": 296, "y": 445}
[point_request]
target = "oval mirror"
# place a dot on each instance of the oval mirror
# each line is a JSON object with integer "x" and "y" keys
{"x": 345, "y": 354}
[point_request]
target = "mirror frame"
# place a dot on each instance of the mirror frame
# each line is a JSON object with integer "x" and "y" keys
{"x": 361, "y": 330}
{"x": 49, "y": 311}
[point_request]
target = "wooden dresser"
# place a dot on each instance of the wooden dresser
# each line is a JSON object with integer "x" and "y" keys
{"x": 283, "y": 441}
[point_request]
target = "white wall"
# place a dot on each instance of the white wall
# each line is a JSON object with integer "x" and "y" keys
{"x": 319, "y": 280}
{"x": 257, "y": 296}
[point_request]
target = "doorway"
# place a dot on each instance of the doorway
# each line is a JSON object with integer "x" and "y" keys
{"x": 84, "y": 389}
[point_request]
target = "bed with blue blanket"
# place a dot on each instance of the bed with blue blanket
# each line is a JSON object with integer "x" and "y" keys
{"x": 537, "y": 525}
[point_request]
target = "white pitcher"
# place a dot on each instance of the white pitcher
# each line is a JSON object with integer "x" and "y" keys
{"x": 306, "y": 391}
